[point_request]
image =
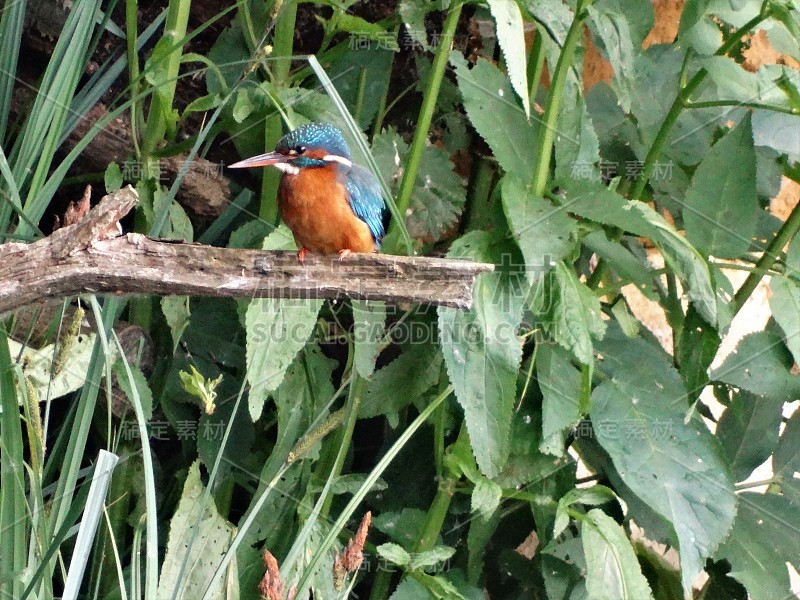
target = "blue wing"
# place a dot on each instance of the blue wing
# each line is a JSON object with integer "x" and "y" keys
{"x": 366, "y": 199}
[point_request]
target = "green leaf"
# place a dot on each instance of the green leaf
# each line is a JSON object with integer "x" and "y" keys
{"x": 785, "y": 306}
{"x": 511, "y": 35}
{"x": 560, "y": 383}
{"x": 786, "y": 460}
{"x": 697, "y": 347}
{"x": 613, "y": 30}
{"x": 439, "y": 587}
{"x": 176, "y": 312}
{"x": 577, "y": 148}
{"x": 748, "y": 431}
{"x": 486, "y": 496}
{"x": 381, "y": 396}
{"x": 720, "y": 210}
{"x": 277, "y": 329}
{"x": 593, "y": 496}
{"x": 243, "y": 105}
{"x": 544, "y": 233}
{"x": 431, "y": 558}
{"x": 372, "y": 67}
{"x": 763, "y": 539}
{"x": 140, "y": 381}
{"x": 612, "y": 570}
{"x": 777, "y": 131}
{"x": 675, "y": 467}
{"x": 495, "y": 113}
{"x": 394, "y": 554}
{"x": 569, "y": 312}
{"x": 201, "y": 388}
{"x": 197, "y": 530}
{"x": 112, "y": 178}
{"x": 762, "y": 365}
{"x": 410, "y": 589}
{"x": 597, "y": 203}
{"x": 413, "y": 13}
{"x": 481, "y": 349}
{"x": 439, "y": 192}
{"x": 369, "y": 326}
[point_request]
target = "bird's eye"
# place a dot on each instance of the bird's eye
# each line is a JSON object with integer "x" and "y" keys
{"x": 300, "y": 149}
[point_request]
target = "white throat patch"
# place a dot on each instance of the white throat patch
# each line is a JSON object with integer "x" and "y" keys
{"x": 339, "y": 159}
{"x": 287, "y": 168}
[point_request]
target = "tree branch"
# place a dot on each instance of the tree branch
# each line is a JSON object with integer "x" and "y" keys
{"x": 83, "y": 258}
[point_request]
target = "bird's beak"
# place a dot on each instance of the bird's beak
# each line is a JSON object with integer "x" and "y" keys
{"x": 263, "y": 160}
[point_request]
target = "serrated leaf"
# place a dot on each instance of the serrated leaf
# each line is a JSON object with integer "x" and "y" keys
{"x": 612, "y": 570}
{"x": 560, "y": 383}
{"x": 593, "y": 496}
{"x": 112, "y": 178}
{"x": 544, "y": 232}
{"x": 413, "y": 13}
{"x": 511, "y": 35}
{"x": 140, "y": 381}
{"x": 761, "y": 364}
{"x": 577, "y": 148}
{"x": 486, "y": 496}
{"x": 369, "y": 326}
{"x": 277, "y": 329}
{"x": 748, "y": 431}
{"x": 481, "y": 349}
{"x": 381, "y": 396}
{"x": 394, "y": 554}
{"x": 431, "y": 558}
{"x": 613, "y": 30}
{"x": 569, "y": 312}
{"x": 785, "y": 306}
{"x": 786, "y": 460}
{"x": 764, "y": 538}
{"x": 176, "y": 312}
{"x": 674, "y": 467}
{"x": 495, "y": 113}
{"x": 198, "y": 530}
{"x": 721, "y": 205}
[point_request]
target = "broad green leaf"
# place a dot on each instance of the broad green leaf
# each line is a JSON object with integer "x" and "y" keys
{"x": 382, "y": 396}
{"x": 721, "y": 205}
{"x": 413, "y": 13}
{"x": 593, "y": 496}
{"x": 762, "y": 365}
{"x": 612, "y": 570}
{"x": 140, "y": 381}
{"x": 481, "y": 349}
{"x": 544, "y": 233}
{"x": 560, "y": 383}
{"x": 409, "y": 588}
{"x": 611, "y": 26}
{"x": 568, "y": 312}
{"x": 674, "y": 466}
{"x": 785, "y": 306}
{"x": 764, "y": 537}
{"x": 439, "y": 193}
{"x": 112, "y": 178}
{"x": 277, "y": 329}
{"x": 394, "y": 554}
{"x": 495, "y": 113}
{"x": 439, "y": 587}
{"x": 197, "y": 530}
{"x": 598, "y": 203}
{"x": 786, "y": 460}
{"x": 619, "y": 258}
{"x": 431, "y": 558}
{"x": 486, "y": 496}
{"x": 577, "y": 148}
{"x": 369, "y": 325}
{"x": 697, "y": 348}
{"x": 748, "y": 431}
{"x": 372, "y": 66}
{"x": 176, "y": 312}
{"x": 511, "y": 35}
{"x": 778, "y": 131}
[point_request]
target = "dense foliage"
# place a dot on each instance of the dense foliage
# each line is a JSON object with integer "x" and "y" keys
{"x": 276, "y": 424}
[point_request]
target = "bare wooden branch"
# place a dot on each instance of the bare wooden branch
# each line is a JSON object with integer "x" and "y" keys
{"x": 82, "y": 258}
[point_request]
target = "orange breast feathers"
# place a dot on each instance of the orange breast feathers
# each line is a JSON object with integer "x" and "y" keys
{"x": 313, "y": 204}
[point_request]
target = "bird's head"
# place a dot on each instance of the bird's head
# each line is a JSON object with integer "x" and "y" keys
{"x": 312, "y": 145}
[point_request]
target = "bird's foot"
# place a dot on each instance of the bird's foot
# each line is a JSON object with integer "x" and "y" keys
{"x": 343, "y": 253}
{"x": 301, "y": 256}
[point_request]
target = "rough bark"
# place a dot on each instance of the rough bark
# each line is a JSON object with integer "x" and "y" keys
{"x": 89, "y": 257}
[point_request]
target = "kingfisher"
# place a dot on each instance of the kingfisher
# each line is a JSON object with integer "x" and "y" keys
{"x": 330, "y": 204}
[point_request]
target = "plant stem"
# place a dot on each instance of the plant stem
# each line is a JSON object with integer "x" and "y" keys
{"x": 283, "y": 44}
{"x": 131, "y": 22}
{"x": 737, "y": 103}
{"x": 681, "y": 102}
{"x": 785, "y": 234}
{"x": 554, "y": 100}
{"x": 426, "y": 112}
